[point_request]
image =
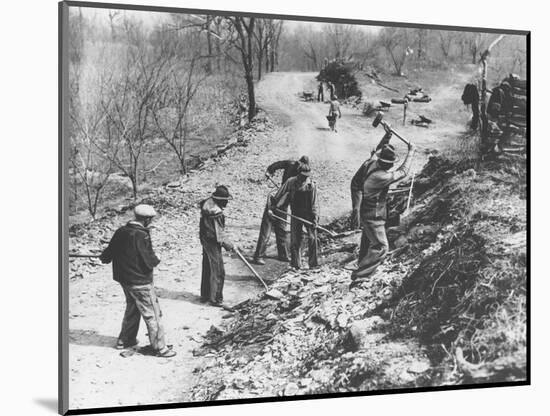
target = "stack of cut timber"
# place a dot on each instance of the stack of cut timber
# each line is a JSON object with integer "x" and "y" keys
{"x": 515, "y": 122}
{"x": 421, "y": 121}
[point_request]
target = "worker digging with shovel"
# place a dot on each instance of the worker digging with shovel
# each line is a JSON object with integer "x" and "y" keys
{"x": 300, "y": 192}
{"x": 213, "y": 238}
{"x": 375, "y": 178}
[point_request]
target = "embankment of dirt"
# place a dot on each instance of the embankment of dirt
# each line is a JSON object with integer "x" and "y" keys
{"x": 447, "y": 307}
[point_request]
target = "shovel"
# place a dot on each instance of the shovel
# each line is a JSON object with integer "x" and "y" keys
{"x": 410, "y": 196}
{"x": 273, "y": 293}
{"x": 329, "y": 232}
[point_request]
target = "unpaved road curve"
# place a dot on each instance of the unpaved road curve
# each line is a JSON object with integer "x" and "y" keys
{"x": 99, "y": 377}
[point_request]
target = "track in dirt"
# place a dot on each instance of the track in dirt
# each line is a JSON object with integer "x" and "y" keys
{"x": 99, "y": 377}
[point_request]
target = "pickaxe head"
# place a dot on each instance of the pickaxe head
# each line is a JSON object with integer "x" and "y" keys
{"x": 377, "y": 120}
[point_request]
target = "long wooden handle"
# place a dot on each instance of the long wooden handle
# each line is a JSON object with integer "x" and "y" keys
{"x": 238, "y": 253}
{"x": 410, "y": 193}
{"x": 83, "y": 255}
{"x": 273, "y": 182}
{"x": 309, "y": 223}
{"x": 281, "y": 219}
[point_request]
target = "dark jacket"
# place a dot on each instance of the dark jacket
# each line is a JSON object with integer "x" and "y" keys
{"x": 212, "y": 224}
{"x": 132, "y": 255}
{"x": 301, "y": 197}
{"x": 290, "y": 168}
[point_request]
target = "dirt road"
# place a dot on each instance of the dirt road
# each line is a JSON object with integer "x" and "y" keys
{"x": 99, "y": 376}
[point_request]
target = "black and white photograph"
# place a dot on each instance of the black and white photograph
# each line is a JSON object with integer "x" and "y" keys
{"x": 275, "y": 207}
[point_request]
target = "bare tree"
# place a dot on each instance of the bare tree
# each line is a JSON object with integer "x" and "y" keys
{"x": 171, "y": 109}
{"x": 113, "y": 14}
{"x": 445, "y": 41}
{"x": 128, "y": 106}
{"x": 243, "y": 42}
{"x": 277, "y": 28}
{"x": 341, "y": 38}
{"x": 476, "y": 43}
{"x": 395, "y": 42}
{"x": 262, "y": 40}
{"x": 87, "y": 123}
{"x": 421, "y": 43}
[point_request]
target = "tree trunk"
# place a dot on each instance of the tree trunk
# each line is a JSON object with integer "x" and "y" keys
{"x": 251, "y": 96}
{"x": 260, "y": 63}
{"x": 209, "y": 43}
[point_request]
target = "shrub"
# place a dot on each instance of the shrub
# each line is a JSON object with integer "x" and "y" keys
{"x": 341, "y": 74}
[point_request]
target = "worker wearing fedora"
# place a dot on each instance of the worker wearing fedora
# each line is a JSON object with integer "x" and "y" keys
{"x": 359, "y": 179}
{"x": 300, "y": 192}
{"x": 376, "y": 182}
{"x": 131, "y": 252}
{"x": 213, "y": 238}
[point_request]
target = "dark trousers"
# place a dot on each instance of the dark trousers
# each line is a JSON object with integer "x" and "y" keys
{"x": 296, "y": 227}
{"x": 373, "y": 249}
{"x": 320, "y": 96}
{"x": 281, "y": 236}
{"x": 213, "y": 272}
{"x": 141, "y": 301}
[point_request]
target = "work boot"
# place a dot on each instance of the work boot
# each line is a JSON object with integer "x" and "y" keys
{"x": 166, "y": 353}
{"x": 120, "y": 345}
{"x": 258, "y": 260}
{"x": 284, "y": 258}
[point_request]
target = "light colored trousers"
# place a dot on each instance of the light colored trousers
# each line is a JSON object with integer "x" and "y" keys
{"x": 373, "y": 249}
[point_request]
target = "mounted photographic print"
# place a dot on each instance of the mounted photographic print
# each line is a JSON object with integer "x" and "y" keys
{"x": 259, "y": 207}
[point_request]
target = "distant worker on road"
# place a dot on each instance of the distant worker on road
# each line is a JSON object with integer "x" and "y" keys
{"x": 331, "y": 89}
{"x": 334, "y": 113}
{"x": 213, "y": 238}
{"x": 290, "y": 169}
{"x": 376, "y": 182}
{"x": 131, "y": 252}
{"x": 320, "y": 92}
{"x": 300, "y": 192}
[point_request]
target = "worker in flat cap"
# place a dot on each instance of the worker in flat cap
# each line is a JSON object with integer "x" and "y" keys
{"x": 131, "y": 252}
{"x": 213, "y": 238}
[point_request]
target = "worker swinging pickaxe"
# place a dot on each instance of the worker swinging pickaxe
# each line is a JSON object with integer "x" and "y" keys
{"x": 386, "y": 139}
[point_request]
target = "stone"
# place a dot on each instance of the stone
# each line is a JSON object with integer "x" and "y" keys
{"x": 291, "y": 389}
{"x": 274, "y": 294}
{"x": 419, "y": 367}
{"x": 357, "y": 335}
{"x": 320, "y": 376}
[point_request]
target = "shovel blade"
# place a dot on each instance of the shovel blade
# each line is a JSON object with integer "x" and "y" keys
{"x": 274, "y": 294}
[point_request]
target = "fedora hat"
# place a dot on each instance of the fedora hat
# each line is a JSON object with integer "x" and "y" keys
{"x": 304, "y": 169}
{"x": 387, "y": 154}
{"x": 222, "y": 193}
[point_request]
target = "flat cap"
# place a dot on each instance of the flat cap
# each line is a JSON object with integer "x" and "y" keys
{"x": 143, "y": 210}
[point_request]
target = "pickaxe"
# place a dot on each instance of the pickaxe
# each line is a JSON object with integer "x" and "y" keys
{"x": 378, "y": 120}
{"x": 272, "y": 181}
{"x": 331, "y": 233}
